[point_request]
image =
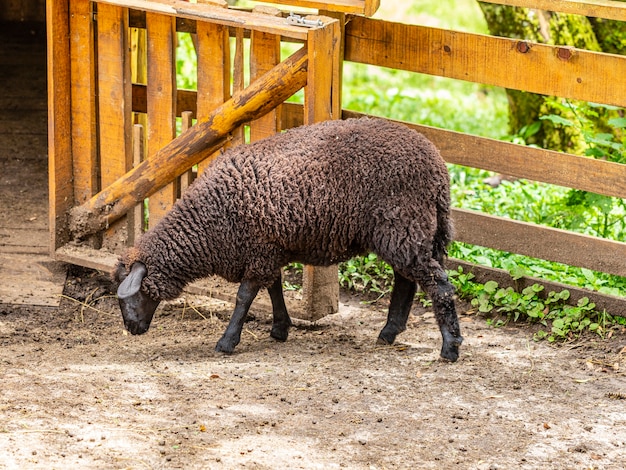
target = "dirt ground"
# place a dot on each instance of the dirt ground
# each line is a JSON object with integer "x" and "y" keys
{"x": 77, "y": 391}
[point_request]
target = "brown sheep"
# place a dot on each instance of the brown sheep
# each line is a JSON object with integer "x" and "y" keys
{"x": 316, "y": 194}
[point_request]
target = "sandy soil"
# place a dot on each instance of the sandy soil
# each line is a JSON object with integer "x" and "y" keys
{"x": 78, "y": 392}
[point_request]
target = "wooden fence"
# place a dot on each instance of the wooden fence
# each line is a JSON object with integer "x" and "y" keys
{"x": 94, "y": 105}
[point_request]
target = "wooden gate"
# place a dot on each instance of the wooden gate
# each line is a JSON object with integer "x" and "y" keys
{"x": 101, "y": 171}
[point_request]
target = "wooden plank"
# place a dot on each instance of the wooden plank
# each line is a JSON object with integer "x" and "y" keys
{"x": 540, "y": 242}
{"x": 359, "y": 7}
{"x": 320, "y": 286}
{"x": 539, "y": 68}
{"x": 264, "y": 55}
{"x": 213, "y": 72}
{"x": 609, "y": 9}
{"x": 114, "y": 106}
{"x": 83, "y": 101}
{"x": 188, "y": 149}
{"x": 161, "y": 102}
{"x": 215, "y": 14}
{"x": 572, "y": 171}
{"x": 61, "y": 192}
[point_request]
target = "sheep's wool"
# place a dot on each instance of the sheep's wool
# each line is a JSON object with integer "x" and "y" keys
{"x": 316, "y": 194}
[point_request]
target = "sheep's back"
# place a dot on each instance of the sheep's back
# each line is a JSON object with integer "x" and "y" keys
{"x": 318, "y": 192}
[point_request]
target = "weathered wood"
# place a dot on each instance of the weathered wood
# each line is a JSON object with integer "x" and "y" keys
{"x": 584, "y": 173}
{"x": 264, "y": 55}
{"x": 533, "y": 240}
{"x": 114, "y": 107}
{"x": 191, "y": 147}
{"x": 539, "y": 68}
{"x": 136, "y": 216}
{"x": 320, "y": 291}
{"x": 83, "y": 101}
{"x": 215, "y": 14}
{"x": 359, "y": 7}
{"x": 185, "y": 100}
{"x": 213, "y": 52}
{"x": 612, "y": 10}
{"x": 187, "y": 177}
{"x": 161, "y": 103}
{"x": 61, "y": 191}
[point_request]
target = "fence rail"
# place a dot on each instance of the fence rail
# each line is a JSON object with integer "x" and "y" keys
{"x": 95, "y": 103}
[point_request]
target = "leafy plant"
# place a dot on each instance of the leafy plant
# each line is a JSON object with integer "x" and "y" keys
{"x": 561, "y": 320}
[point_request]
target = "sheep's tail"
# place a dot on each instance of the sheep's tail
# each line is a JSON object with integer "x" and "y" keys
{"x": 444, "y": 232}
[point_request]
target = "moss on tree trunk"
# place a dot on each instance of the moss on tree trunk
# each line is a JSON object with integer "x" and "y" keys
{"x": 549, "y": 28}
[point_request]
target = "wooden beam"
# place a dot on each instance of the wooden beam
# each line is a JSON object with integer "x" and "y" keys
{"x": 320, "y": 291}
{"x": 215, "y": 14}
{"x": 61, "y": 192}
{"x": 83, "y": 99}
{"x": 161, "y": 39}
{"x": 534, "y": 240}
{"x": 191, "y": 147}
{"x": 521, "y": 65}
{"x": 609, "y": 9}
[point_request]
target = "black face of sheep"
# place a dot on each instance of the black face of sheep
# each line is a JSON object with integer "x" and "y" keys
{"x": 137, "y": 306}
{"x": 318, "y": 195}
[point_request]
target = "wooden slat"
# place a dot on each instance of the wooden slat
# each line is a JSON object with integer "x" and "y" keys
{"x": 114, "y": 105}
{"x": 161, "y": 102}
{"x": 185, "y": 100}
{"x": 573, "y": 171}
{"x": 613, "y": 10}
{"x": 587, "y": 174}
{"x": 544, "y": 69}
{"x": 363, "y": 7}
{"x": 190, "y": 148}
{"x": 320, "y": 292}
{"x": 264, "y": 55}
{"x": 213, "y": 72}
{"x": 61, "y": 191}
{"x": 215, "y": 14}
{"x": 84, "y": 139}
{"x": 540, "y": 242}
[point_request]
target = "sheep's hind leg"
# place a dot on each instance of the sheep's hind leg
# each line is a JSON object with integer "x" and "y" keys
{"x": 434, "y": 280}
{"x": 281, "y": 321}
{"x": 245, "y": 295}
{"x": 399, "y": 308}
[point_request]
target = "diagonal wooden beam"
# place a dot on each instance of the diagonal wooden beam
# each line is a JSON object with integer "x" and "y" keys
{"x": 196, "y": 144}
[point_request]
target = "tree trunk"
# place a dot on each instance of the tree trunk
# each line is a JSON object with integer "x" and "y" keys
{"x": 548, "y": 28}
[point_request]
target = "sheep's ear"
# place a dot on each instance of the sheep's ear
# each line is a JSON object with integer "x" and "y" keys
{"x": 131, "y": 284}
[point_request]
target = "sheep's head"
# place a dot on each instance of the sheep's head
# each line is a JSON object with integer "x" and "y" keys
{"x": 137, "y": 306}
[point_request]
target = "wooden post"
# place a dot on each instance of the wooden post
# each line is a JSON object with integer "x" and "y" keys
{"x": 321, "y": 102}
{"x": 161, "y": 34}
{"x": 193, "y": 146}
{"x": 213, "y": 50}
{"x": 114, "y": 107}
{"x": 59, "y": 122}
{"x": 264, "y": 55}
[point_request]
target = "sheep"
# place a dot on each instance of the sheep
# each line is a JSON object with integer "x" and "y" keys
{"x": 316, "y": 194}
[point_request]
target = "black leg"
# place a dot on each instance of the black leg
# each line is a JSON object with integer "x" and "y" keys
{"x": 245, "y": 295}
{"x": 399, "y": 308}
{"x": 281, "y": 321}
{"x": 435, "y": 282}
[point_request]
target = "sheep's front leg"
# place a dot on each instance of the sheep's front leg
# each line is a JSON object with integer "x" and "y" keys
{"x": 281, "y": 321}
{"x": 399, "y": 308}
{"x": 245, "y": 295}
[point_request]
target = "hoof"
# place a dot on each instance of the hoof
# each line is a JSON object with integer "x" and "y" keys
{"x": 280, "y": 333}
{"x": 225, "y": 346}
{"x": 450, "y": 349}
